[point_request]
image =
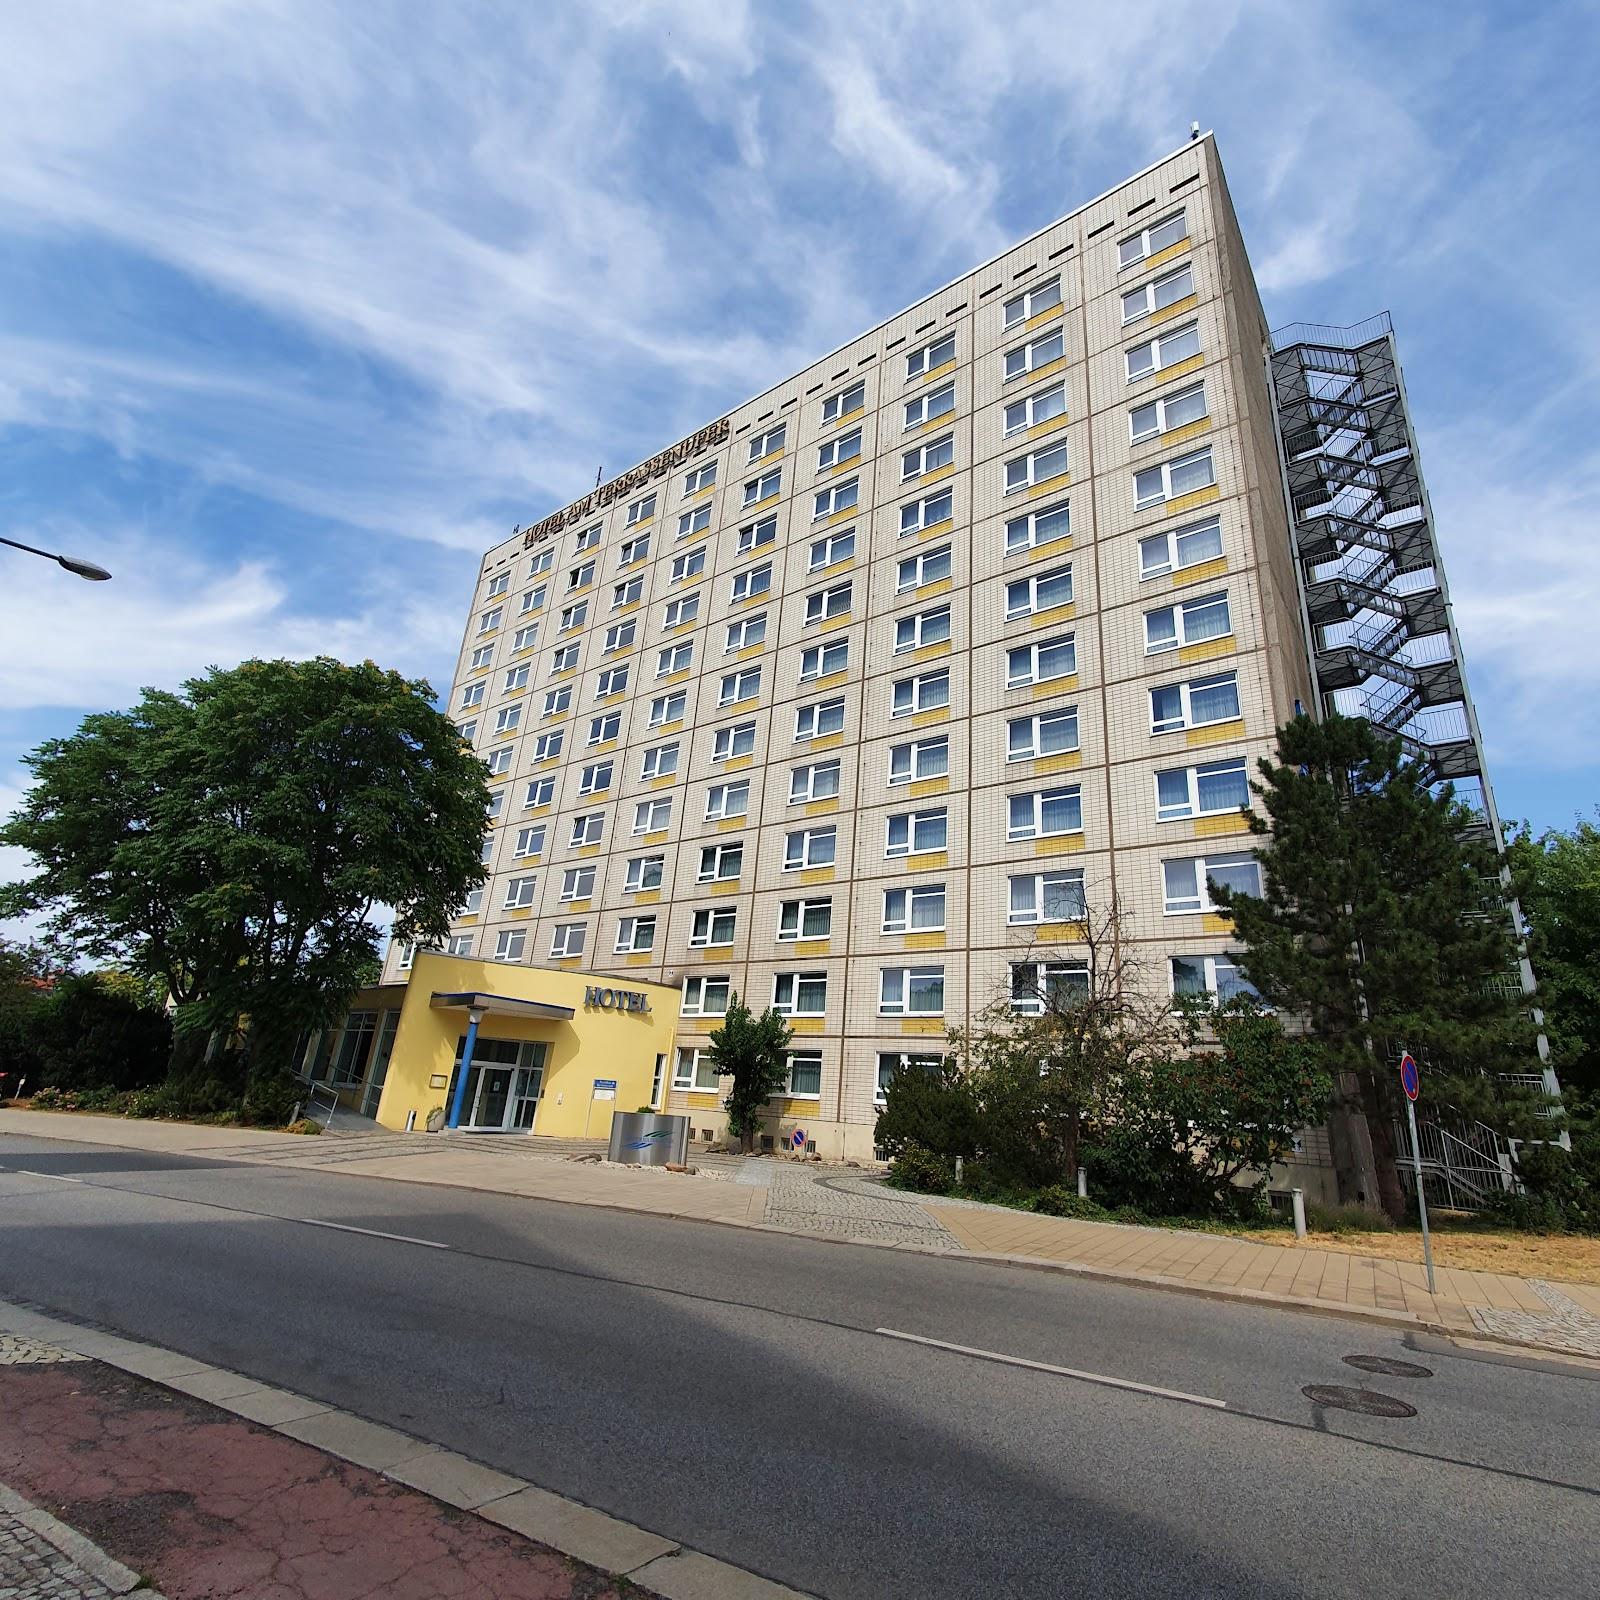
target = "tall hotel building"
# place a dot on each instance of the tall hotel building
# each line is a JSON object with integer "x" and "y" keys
{"x": 850, "y": 701}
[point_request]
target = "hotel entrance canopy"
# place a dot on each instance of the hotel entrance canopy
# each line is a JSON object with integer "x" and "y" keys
{"x": 499, "y": 1005}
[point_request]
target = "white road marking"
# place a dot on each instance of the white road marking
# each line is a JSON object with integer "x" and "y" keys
{"x": 54, "y": 1177}
{"x": 1060, "y": 1372}
{"x": 372, "y": 1233}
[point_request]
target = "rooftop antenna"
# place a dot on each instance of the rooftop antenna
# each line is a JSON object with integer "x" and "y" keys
{"x": 1194, "y": 131}
{"x": 599, "y": 472}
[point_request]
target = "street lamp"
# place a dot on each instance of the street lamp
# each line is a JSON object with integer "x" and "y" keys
{"x": 84, "y": 569}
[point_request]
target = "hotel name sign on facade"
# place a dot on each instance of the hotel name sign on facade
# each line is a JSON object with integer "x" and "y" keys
{"x": 656, "y": 467}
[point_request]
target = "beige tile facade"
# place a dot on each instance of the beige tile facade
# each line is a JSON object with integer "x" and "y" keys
{"x": 813, "y": 685}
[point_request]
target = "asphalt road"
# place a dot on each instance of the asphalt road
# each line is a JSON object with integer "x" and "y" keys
{"x": 734, "y": 1390}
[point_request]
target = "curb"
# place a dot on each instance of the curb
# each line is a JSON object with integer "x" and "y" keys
{"x": 651, "y": 1561}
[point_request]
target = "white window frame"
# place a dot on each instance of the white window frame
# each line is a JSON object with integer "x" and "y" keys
{"x": 695, "y": 990}
{"x": 793, "y": 1058}
{"x": 1036, "y": 409}
{"x": 808, "y": 719}
{"x": 668, "y": 708}
{"x": 1161, "y": 407}
{"x": 1025, "y": 663}
{"x": 701, "y": 477}
{"x": 919, "y": 684}
{"x": 715, "y": 857}
{"x": 1211, "y": 966}
{"x": 510, "y": 944}
{"x": 689, "y": 565}
{"x": 767, "y": 443}
{"x": 1035, "y": 725}
{"x": 915, "y": 822}
{"x": 652, "y": 816}
{"x": 1158, "y": 294}
{"x": 1203, "y": 865}
{"x": 685, "y": 609}
{"x": 641, "y": 510}
{"x": 491, "y": 619}
{"x": 824, "y": 658}
{"x": 849, "y": 400}
{"x": 498, "y": 762}
{"x": 629, "y": 592}
{"x": 1165, "y": 469}
{"x": 906, "y": 976}
{"x": 701, "y": 1076}
{"x": 927, "y": 512}
{"x": 751, "y": 582}
{"x": 831, "y": 548}
{"x": 929, "y": 407}
{"x": 1036, "y": 530}
{"x": 659, "y": 761}
{"x": 588, "y": 828}
{"x": 614, "y": 680}
{"x": 1045, "y": 296}
{"x": 540, "y": 792}
{"x": 1168, "y": 548}
{"x": 802, "y": 909}
{"x": 823, "y": 605}
{"x": 1140, "y": 246}
{"x": 900, "y": 908}
{"x": 1180, "y": 616}
{"x": 912, "y": 571}
{"x": 786, "y": 993}
{"x": 497, "y": 586}
{"x": 482, "y": 657}
{"x": 577, "y": 883}
{"x": 915, "y": 751}
{"x": 798, "y": 847}
{"x": 1034, "y": 353}
{"x": 695, "y": 520}
{"x": 564, "y": 659}
{"x": 725, "y": 801}
{"x": 568, "y": 939}
{"x": 767, "y": 486}
{"x": 745, "y": 633}
{"x": 606, "y": 727}
{"x": 713, "y": 927}
{"x": 1038, "y": 799}
{"x": 533, "y": 599}
{"x": 1038, "y": 466}
{"x": 596, "y": 777}
{"x": 573, "y": 616}
{"x": 644, "y": 873}
{"x": 557, "y": 702}
{"x": 636, "y": 934}
{"x": 1158, "y": 347}
{"x": 1191, "y": 805}
{"x": 1069, "y": 877}
{"x": 1023, "y": 595}
{"x": 927, "y": 457}
{"x": 838, "y": 451}
{"x": 737, "y": 687}
{"x": 674, "y": 658}
{"x": 529, "y": 842}
{"x": 1044, "y": 971}
{"x": 580, "y": 577}
{"x": 507, "y": 718}
{"x": 836, "y": 498}
{"x": 520, "y": 892}
{"x": 810, "y": 783}
{"x": 735, "y": 740}
{"x": 925, "y": 628}
{"x": 931, "y": 356}
{"x": 542, "y": 562}
{"x": 525, "y": 638}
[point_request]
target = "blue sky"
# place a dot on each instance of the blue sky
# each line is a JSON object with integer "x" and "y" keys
{"x": 301, "y": 306}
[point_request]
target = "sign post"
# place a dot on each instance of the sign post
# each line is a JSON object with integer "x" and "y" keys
{"x": 1411, "y": 1082}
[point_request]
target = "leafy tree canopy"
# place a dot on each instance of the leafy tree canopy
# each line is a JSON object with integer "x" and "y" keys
{"x": 752, "y": 1051}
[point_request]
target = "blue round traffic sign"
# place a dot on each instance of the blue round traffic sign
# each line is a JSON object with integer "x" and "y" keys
{"x": 798, "y": 1138}
{"x": 1410, "y": 1077}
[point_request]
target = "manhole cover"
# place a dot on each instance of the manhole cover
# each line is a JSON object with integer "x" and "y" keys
{"x": 1388, "y": 1366}
{"x": 1363, "y": 1400}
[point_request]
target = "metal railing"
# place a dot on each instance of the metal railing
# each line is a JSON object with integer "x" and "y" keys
{"x": 1331, "y": 337}
{"x": 318, "y": 1104}
{"x": 1462, "y": 1169}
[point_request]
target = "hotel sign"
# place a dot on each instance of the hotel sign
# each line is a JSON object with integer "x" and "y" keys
{"x": 615, "y": 999}
{"x": 656, "y": 467}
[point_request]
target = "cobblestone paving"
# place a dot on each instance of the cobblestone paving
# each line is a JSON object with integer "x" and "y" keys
{"x": 798, "y": 1197}
{"x": 31, "y": 1568}
{"x": 15, "y": 1351}
{"x": 1566, "y": 1326}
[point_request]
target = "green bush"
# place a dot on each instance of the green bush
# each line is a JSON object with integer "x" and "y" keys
{"x": 922, "y": 1171}
{"x": 269, "y": 1100}
{"x": 1059, "y": 1201}
{"x": 304, "y": 1125}
{"x": 930, "y": 1108}
{"x": 1348, "y": 1218}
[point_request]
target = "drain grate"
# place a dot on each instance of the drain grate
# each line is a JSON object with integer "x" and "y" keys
{"x": 1388, "y": 1366}
{"x": 1362, "y": 1400}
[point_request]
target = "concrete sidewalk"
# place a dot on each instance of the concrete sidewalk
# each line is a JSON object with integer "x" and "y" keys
{"x": 843, "y": 1205}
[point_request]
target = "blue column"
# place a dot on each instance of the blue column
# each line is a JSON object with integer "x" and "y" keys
{"x": 458, "y": 1104}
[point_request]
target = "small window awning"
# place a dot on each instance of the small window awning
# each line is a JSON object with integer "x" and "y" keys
{"x": 499, "y": 1005}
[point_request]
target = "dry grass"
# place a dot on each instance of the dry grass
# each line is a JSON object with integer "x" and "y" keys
{"x": 1573, "y": 1258}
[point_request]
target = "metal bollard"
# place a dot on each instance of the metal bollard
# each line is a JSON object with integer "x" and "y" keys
{"x": 958, "y": 1172}
{"x": 1083, "y": 1183}
{"x": 1298, "y": 1197}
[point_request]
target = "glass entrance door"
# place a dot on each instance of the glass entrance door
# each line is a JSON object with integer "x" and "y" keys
{"x": 503, "y": 1085}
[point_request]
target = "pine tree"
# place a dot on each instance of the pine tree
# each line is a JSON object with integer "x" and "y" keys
{"x": 1381, "y": 923}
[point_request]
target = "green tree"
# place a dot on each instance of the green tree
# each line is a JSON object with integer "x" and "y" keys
{"x": 930, "y": 1107}
{"x": 27, "y": 974}
{"x": 95, "y": 1030}
{"x": 1381, "y": 923}
{"x": 752, "y": 1051}
{"x": 231, "y": 841}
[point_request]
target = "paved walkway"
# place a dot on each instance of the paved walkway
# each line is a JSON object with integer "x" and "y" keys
{"x": 843, "y": 1204}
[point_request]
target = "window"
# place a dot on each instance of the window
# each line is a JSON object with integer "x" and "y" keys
{"x": 726, "y": 800}
{"x": 713, "y": 926}
{"x": 736, "y": 686}
{"x": 506, "y": 719}
{"x": 595, "y": 778}
{"x": 929, "y": 407}
{"x": 557, "y": 702}
{"x": 633, "y": 550}
{"x": 614, "y": 680}
{"x": 530, "y": 842}
{"x": 1040, "y": 352}
{"x": 844, "y": 403}
{"x": 472, "y": 695}
{"x": 577, "y": 883}
{"x": 700, "y": 478}
{"x": 746, "y": 633}
{"x": 839, "y": 450}
{"x": 481, "y": 657}
{"x": 805, "y": 919}
{"x": 564, "y": 660}
{"x": 1178, "y": 548}
{"x": 819, "y": 781}
{"x": 1034, "y": 410}
{"x": 1036, "y": 528}
{"x": 1044, "y": 814}
{"x": 587, "y": 539}
{"x": 705, "y": 997}
{"x": 689, "y": 565}
{"x": 1164, "y": 350}
{"x": 675, "y": 658}
{"x": 568, "y": 939}
{"x": 644, "y": 872}
{"x": 823, "y": 660}
{"x": 499, "y": 762}
{"x": 763, "y": 488}
{"x": 659, "y": 761}
{"x": 1156, "y": 296}
{"x": 928, "y": 457}
{"x": 525, "y": 638}
{"x": 1057, "y": 984}
{"x": 640, "y": 511}
{"x": 805, "y": 1074}
{"x": 694, "y": 1070}
{"x": 487, "y": 853}
{"x": 751, "y": 582}
{"x": 836, "y": 499}
{"x": 1180, "y": 476}
{"x": 548, "y": 745}
{"x": 580, "y": 577}
{"x": 1189, "y": 622}
{"x": 810, "y": 847}
{"x": 737, "y": 739}
{"x": 533, "y": 599}
{"x": 819, "y": 719}
{"x": 498, "y": 584}
{"x": 573, "y": 617}
{"x": 1152, "y": 240}
{"x": 1042, "y": 297}
{"x": 542, "y": 562}
{"x": 509, "y": 944}
{"x": 913, "y": 832}
{"x": 468, "y": 730}
{"x": 921, "y": 629}
{"x": 1043, "y": 662}
{"x": 919, "y": 909}
{"x": 1187, "y": 882}
{"x": 919, "y": 759}
{"x": 681, "y": 612}
{"x": 836, "y": 547}
{"x": 1210, "y": 790}
{"x": 768, "y": 443}
{"x": 517, "y": 678}
{"x": 931, "y": 357}
{"x": 928, "y": 566}
{"x": 519, "y": 893}
{"x": 587, "y": 829}
{"x": 1168, "y": 411}
{"x": 694, "y": 521}
{"x": 911, "y": 991}
{"x": 927, "y": 691}
{"x": 629, "y": 593}
{"x": 652, "y": 816}
{"x": 1047, "y": 897}
{"x": 755, "y": 534}
{"x": 635, "y": 935}
{"x": 891, "y": 1062}
{"x": 1038, "y": 466}
{"x": 459, "y": 944}
{"x": 721, "y": 862}
{"x": 603, "y": 729}
{"x": 824, "y": 604}
{"x": 1050, "y": 733}
{"x": 928, "y": 512}
{"x": 497, "y": 801}
{"x": 490, "y": 620}
{"x": 800, "y": 994}
{"x": 1042, "y": 592}
{"x": 1217, "y": 976}
{"x": 541, "y": 792}
{"x": 668, "y": 708}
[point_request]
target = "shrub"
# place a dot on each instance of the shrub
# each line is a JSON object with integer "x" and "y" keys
{"x": 1059, "y": 1201}
{"x": 270, "y": 1099}
{"x": 1351, "y": 1217}
{"x": 931, "y": 1108}
{"x": 304, "y": 1125}
{"x": 922, "y": 1171}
